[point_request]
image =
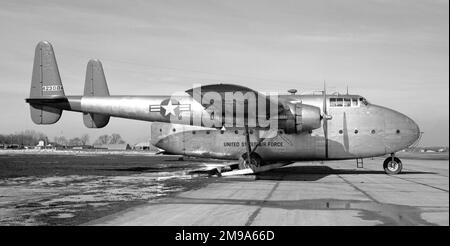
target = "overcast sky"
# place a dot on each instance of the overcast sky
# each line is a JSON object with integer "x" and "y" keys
{"x": 395, "y": 53}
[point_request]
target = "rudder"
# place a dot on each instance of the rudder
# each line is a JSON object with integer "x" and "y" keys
{"x": 45, "y": 84}
{"x": 95, "y": 85}
{"x": 95, "y": 82}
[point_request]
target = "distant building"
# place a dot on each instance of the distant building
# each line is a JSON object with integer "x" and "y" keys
{"x": 13, "y": 146}
{"x": 41, "y": 145}
{"x": 432, "y": 149}
{"x": 80, "y": 147}
{"x": 113, "y": 146}
{"x": 146, "y": 146}
{"x": 142, "y": 146}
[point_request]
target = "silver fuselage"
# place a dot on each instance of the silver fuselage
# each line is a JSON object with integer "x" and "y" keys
{"x": 353, "y": 132}
{"x": 361, "y": 131}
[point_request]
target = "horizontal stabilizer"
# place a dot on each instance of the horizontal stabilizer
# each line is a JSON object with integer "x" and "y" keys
{"x": 44, "y": 115}
{"x": 43, "y": 101}
{"x": 95, "y": 120}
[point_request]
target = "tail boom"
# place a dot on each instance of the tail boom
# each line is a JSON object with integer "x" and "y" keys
{"x": 47, "y": 98}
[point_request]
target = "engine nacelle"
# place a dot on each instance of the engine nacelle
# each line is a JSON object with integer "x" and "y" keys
{"x": 301, "y": 118}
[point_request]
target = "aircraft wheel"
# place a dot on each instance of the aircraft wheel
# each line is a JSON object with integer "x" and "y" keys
{"x": 255, "y": 161}
{"x": 392, "y": 166}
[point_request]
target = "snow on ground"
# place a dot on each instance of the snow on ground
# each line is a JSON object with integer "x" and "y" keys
{"x": 26, "y": 199}
{"x": 74, "y": 152}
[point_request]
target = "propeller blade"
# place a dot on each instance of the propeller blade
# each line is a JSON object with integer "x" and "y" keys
{"x": 325, "y": 119}
{"x": 324, "y": 99}
{"x": 325, "y": 115}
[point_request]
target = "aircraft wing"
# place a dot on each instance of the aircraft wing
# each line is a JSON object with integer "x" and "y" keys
{"x": 197, "y": 94}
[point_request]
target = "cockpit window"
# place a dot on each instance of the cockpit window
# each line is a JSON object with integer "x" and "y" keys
{"x": 332, "y": 102}
{"x": 347, "y": 101}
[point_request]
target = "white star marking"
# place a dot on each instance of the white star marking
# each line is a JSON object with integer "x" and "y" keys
{"x": 170, "y": 109}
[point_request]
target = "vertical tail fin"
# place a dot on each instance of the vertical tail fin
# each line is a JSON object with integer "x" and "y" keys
{"x": 45, "y": 84}
{"x": 95, "y": 85}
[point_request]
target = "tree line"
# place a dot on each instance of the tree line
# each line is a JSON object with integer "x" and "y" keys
{"x": 84, "y": 140}
{"x": 32, "y": 138}
{"x": 27, "y": 137}
{"x": 76, "y": 141}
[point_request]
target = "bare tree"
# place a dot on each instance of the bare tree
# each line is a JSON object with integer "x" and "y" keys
{"x": 103, "y": 139}
{"x": 116, "y": 139}
{"x": 75, "y": 142}
{"x": 61, "y": 140}
{"x": 84, "y": 139}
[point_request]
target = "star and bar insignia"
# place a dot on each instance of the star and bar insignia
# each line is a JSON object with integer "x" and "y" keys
{"x": 170, "y": 107}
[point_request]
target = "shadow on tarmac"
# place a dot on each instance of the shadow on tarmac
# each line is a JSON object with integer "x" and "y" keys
{"x": 296, "y": 173}
{"x": 313, "y": 173}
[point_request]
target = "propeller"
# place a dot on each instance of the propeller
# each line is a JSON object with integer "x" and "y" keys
{"x": 325, "y": 118}
{"x": 325, "y": 115}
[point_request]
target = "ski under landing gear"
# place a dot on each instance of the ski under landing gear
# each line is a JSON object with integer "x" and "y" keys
{"x": 250, "y": 159}
{"x": 392, "y": 165}
{"x": 254, "y": 162}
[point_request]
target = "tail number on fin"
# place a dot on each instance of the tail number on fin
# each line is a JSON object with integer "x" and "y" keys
{"x": 52, "y": 88}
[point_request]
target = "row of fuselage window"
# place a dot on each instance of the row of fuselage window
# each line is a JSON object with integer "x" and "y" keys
{"x": 280, "y": 132}
{"x": 372, "y": 131}
{"x": 344, "y": 102}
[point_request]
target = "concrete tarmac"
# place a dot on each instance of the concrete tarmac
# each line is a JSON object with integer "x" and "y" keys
{"x": 335, "y": 193}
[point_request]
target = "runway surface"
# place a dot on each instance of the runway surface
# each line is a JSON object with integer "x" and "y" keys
{"x": 70, "y": 188}
{"x": 77, "y": 188}
{"x": 333, "y": 193}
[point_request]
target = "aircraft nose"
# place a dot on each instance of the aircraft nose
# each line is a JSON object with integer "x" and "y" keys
{"x": 409, "y": 130}
{"x": 400, "y": 131}
{"x": 413, "y": 129}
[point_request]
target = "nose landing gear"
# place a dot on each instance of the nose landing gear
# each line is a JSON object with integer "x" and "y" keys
{"x": 392, "y": 165}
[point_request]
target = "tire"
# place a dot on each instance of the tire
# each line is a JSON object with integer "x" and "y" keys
{"x": 255, "y": 161}
{"x": 394, "y": 167}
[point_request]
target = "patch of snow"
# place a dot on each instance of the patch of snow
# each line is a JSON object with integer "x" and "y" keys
{"x": 63, "y": 216}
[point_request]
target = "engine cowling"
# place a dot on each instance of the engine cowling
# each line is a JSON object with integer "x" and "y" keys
{"x": 301, "y": 118}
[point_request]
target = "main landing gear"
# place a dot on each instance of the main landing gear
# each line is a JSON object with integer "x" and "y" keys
{"x": 250, "y": 159}
{"x": 392, "y": 165}
{"x": 253, "y": 162}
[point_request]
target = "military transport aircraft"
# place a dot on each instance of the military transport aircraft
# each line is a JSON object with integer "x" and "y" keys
{"x": 233, "y": 122}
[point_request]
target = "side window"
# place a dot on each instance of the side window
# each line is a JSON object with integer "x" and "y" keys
{"x": 339, "y": 102}
{"x": 354, "y": 102}
{"x": 332, "y": 102}
{"x": 347, "y": 102}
